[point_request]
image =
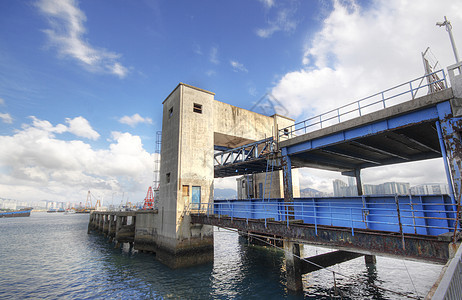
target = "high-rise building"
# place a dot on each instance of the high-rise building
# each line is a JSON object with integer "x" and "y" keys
{"x": 341, "y": 189}
{"x": 430, "y": 189}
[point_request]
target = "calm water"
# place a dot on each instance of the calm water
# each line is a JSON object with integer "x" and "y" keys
{"x": 51, "y": 256}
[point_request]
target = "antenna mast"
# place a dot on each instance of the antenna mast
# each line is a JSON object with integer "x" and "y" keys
{"x": 448, "y": 26}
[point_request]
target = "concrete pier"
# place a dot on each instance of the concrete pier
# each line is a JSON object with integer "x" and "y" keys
{"x": 137, "y": 229}
{"x": 118, "y": 226}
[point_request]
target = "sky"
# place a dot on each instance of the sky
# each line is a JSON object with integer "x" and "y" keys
{"x": 82, "y": 82}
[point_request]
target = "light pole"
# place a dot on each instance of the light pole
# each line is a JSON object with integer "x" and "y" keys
{"x": 449, "y": 30}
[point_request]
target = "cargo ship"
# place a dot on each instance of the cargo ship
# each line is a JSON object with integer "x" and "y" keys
{"x": 24, "y": 212}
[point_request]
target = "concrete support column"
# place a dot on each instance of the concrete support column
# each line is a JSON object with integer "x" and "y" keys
{"x": 370, "y": 259}
{"x": 105, "y": 223}
{"x": 118, "y": 224}
{"x": 101, "y": 223}
{"x": 119, "y": 220}
{"x": 293, "y": 266}
{"x": 90, "y": 223}
{"x": 359, "y": 185}
{"x": 98, "y": 218}
{"x": 110, "y": 231}
{"x": 287, "y": 180}
{"x": 287, "y": 176}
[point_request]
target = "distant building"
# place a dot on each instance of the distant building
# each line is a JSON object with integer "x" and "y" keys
{"x": 7, "y": 204}
{"x": 309, "y": 193}
{"x": 394, "y": 188}
{"x": 430, "y": 189}
{"x": 341, "y": 189}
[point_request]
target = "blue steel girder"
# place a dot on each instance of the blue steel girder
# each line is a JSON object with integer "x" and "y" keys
{"x": 415, "y": 117}
{"x": 383, "y": 150}
{"x": 317, "y": 160}
{"x": 416, "y": 143}
{"x": 351, "y": 155}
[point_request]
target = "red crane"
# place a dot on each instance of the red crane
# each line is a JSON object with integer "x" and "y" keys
{"x": 149, "y": 200}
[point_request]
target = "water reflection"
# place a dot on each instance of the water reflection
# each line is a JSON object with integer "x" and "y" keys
{"x": 53, "y": 257}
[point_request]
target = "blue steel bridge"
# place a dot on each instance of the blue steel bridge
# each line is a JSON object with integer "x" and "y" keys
{"x": 414, "y": 121}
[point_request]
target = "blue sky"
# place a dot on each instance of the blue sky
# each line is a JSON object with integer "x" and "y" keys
{"x": 82, "y": 82}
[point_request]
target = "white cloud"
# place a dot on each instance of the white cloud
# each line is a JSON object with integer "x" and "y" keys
{"x": 46, "y": 126}
{"x": 214, "y": 55}
{"x": 6, "y": 118}
{"x": 78, "y": 126}
{"x": 284, "y": 21}
{"x": 267, "y": 3}
{"x": 225, "y": 183}
{"x": 134, "y": 120}
{"x": 66, "y": 33}
{"x": 35, "y": 165}
{"x": 197, "y": 49}
{"x": 210, "y": 73}
{"x": 82, "y": 128}
{"x": 360, "y": 51}
{"x": 252, "y": 91}
{"x": 237, "y": 66}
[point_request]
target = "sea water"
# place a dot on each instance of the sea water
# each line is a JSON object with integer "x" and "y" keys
{"x": 51, "y": 256}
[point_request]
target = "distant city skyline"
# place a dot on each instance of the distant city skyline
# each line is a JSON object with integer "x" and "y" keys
{"x": 342, "y": 189}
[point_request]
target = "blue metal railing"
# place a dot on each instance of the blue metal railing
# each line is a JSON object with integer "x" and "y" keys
{"x": 424, "y": 215}
{"x": 366, "y": 105}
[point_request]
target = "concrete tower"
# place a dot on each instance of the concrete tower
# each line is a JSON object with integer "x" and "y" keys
{"x": 193, "y": 124}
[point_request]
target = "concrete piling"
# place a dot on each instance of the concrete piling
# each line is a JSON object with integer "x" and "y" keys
{"x": 293, "y": 266}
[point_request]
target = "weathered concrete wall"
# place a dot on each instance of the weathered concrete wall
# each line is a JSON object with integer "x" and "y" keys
{"x": 274, "y": 187}
{"x": 196, "y": 156}
{"x": 455, "y": 76}
{"x": 166, "y": 224}
{"x": 234, "y": 126}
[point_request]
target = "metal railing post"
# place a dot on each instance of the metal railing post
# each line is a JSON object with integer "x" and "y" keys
{"x": 351, "y": 221}
{"x": 413, "y": 215}
{"x": 399, "y": 221}
{"x": 315, "y": 215}
{"x": 445, "y": 81}
{"x": 412, "y": 91}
